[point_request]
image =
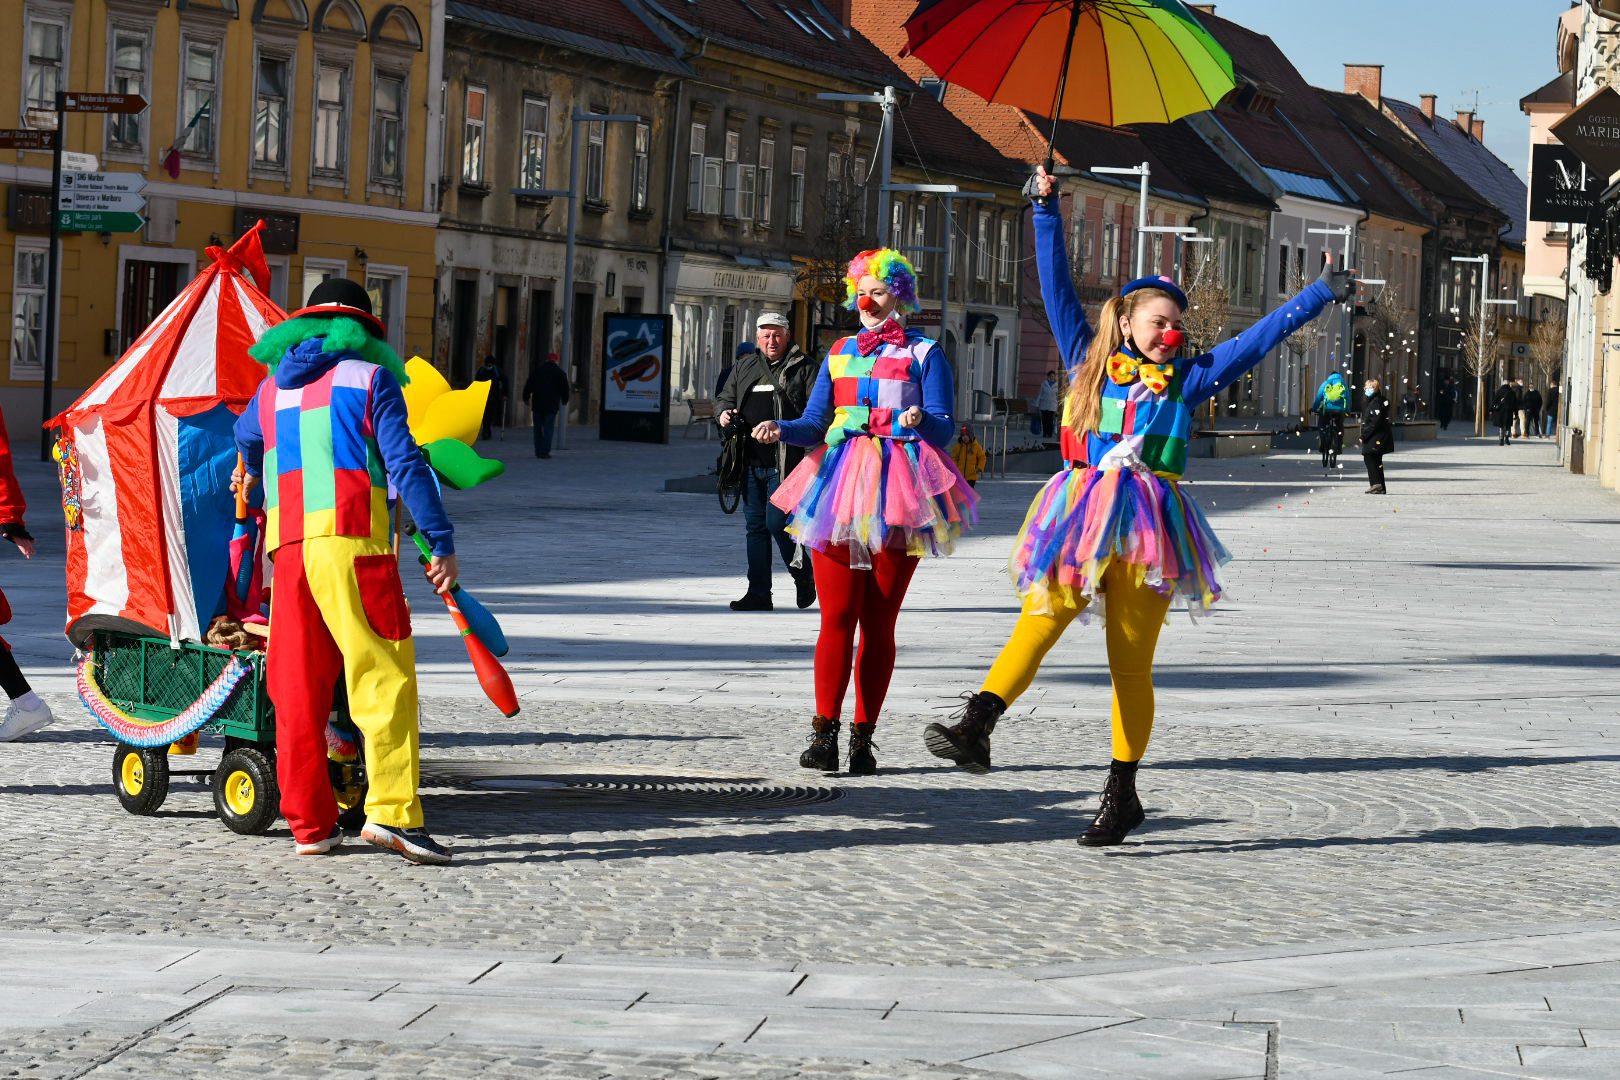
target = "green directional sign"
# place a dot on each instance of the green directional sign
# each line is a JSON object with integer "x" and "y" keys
{"x": 98, "y": 221}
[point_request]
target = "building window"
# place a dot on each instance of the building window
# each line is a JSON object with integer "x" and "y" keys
{"x": 472, "y": 135}
{"x": 641, "y": 167}
{"x": 595, "y": 159}
{"x": 1284, "y": 256}
{"x": 747, "y": 178}
{"x": 386, "y": 288}
{"x": 317, "y": 271}
{"x": 1088, "y": 248}
{"x": 532, "y": 160}
{"x": 767, "y": 178}
{"x": 919, "y": 239}
{"x": 28, "y": 313}
{"x": 331, "y": 119}
{"x": 835, "y": 179}
{"x": 197, "y": 106}
{"x": 733, "y": 175}
{"x": 1110, "y": 252}
{"x": 45, "y": 62}
{"x": 982, "y": 263}
{"x": 862, "y": 173}
{"x": 128, "y": 77}
{"x": 1004, "y": 253}
{"x": 699, "y": 138}
{"x": 713, "y": 175}
{"x": 796, "y": 162}
{"x": 897, "y": 222}
{"x": 270, "y": 113}
{"x": 388, "y": 128}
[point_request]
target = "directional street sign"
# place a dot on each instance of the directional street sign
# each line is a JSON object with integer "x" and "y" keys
{"x": 102, "y": 200}
{"x": 79, "y": 162}
{"x": 26, "y": 139}
{"x": 104, "y": 103}
{"x": 96, "y": 221}
{"x": 40, "y": 119}
{"x": 102, "y": 181}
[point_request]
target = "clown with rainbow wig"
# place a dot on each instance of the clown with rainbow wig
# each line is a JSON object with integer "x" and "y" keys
{"x": 876, "y": 494}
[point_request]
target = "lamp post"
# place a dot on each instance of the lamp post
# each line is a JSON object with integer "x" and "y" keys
{"x": 1143, "y": 170}
{"x": 888, "y": 100}
{"x": 1484, "y": 262}
{"x": 571, "y": 193}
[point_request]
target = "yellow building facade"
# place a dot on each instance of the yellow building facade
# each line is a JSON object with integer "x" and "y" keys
{"x": 316, "y": 116}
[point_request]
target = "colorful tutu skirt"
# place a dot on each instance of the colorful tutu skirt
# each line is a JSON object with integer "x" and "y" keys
{"x": 1085, "y": 519}
{"x": 872, "y": 494}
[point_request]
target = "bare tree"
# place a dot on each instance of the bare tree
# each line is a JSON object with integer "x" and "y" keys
{"x": 1481, "y": 343}
{"x": 844, "y": 231}
{"x": 1303, "y": 341}
{"x": 1209, "y": 309}
{"x": 1547, "y": 349}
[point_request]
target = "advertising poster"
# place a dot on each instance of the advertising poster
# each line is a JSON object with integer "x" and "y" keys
{"x": 635, "y": 377}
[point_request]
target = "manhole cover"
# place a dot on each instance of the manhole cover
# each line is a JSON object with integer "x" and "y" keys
{"x": 587, "y": 788}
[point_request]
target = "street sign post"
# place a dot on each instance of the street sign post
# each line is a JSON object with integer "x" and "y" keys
{"x": 26, "y": 139}
{"x": 99, "y": 221}
{"x": 110, "y": 201}
{"x": 41, "y": 119}
{"x": 103, "y": 103}
{"x": 102, "y": 181}
{"x": 79, "y": 162}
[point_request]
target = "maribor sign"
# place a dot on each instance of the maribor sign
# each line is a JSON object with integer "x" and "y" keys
{"x": 1592, "y": 131}
{"x": 1562, "y": 187}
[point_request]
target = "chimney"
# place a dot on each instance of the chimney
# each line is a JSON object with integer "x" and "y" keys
{"x": 1207, "y": 9}
{"x": 1427, "y": 105}
{"x": 1465, "y": 121}
{"x": 1366, "y": 80}
{"x": 1479, "y": 130}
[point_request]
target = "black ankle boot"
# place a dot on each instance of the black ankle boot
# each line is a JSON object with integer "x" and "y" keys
{"x": 822, "y": 752}
{"x": 967, "y": 742}
{"x": 1121, "y": 810}
{"x": 861, "y": 761}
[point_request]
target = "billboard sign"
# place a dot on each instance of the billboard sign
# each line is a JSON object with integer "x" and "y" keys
{"x": 635, "y": 377}
{"x": 1562, "y": 187}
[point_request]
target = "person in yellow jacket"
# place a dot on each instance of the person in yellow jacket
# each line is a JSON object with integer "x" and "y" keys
{"x": 968, "y": 453}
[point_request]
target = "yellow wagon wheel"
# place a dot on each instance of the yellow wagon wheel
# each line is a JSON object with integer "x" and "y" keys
{"x": 245, "y": 794}
{"x": 140, "y": 777}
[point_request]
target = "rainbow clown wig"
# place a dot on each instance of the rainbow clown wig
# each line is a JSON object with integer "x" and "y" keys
{"x": 889, "y": 267}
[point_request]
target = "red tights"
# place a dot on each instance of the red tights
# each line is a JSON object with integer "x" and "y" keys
{"x": 870, "y": 600}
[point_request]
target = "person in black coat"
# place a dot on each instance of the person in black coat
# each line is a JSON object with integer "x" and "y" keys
{"x": 546, "y": 392}
{"x": 1504, "y": 408}
{"x": 1530, "y": 405}
{"x": 1377, "y": 434}
{"x": 1446, "y": 402}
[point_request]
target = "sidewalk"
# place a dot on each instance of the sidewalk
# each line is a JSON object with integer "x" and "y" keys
{"x": 1381, "y": 838}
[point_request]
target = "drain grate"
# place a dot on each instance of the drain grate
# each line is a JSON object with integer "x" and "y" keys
{"x": 605, "y": 788}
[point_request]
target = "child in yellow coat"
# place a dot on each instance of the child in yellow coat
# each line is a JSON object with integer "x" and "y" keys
{"x": 968, "y": 453}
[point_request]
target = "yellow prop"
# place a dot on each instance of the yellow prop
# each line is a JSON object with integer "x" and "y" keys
{"x": 437, "y": 412}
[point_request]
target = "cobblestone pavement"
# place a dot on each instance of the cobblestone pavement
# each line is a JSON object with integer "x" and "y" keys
{"x": 1398, "y": 735}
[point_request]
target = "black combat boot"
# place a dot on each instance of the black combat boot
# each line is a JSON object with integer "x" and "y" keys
{"x": 1121, "y": 810}
{"x": 861, "y": 761}
{"x": 967, "y": 742}
{"x": 822, "y": 753}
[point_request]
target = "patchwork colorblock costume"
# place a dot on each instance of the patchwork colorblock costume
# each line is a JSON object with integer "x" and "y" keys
{"x": 328, "y": 433}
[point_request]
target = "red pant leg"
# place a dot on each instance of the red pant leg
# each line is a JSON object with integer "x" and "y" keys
{"x": 838, "y": 592}
{"x": 302, "y": 667}
{"x": 880, "y": 609}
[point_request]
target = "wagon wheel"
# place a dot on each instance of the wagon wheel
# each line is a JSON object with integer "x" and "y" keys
{"x": 245, "y": 794}
{"x": 349, "y": 788}
{"x": 140, "y": 777}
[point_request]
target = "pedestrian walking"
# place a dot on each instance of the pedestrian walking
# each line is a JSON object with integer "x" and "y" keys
{"x": 546, "y": 393}
{"x": 1046, "y": 403}
{"x": 968, "y": 453}
{"x": 495, "y": 404}
{"x": 1519, "y": 429}
{"x": 1446, "y": 402}
{"x": 770, "y": 381}
{"x": 1115, "y": 523}
{"x": 1377, "y": 434}
{"x": 1550, "y": 407}
{"x": 877, "y": 494}
{"x": 26, "y": 711}
{"x": 1504, "y": 408}
{"x": 1330, "y": 404}
{"x": 1531, "y": 407}
{"x": 327, "y": 430}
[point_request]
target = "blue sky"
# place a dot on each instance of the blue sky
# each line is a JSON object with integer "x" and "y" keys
{"x": 1453, "y": 48}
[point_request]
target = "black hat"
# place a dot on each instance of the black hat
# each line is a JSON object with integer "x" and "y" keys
{"x": 340, "y": 296}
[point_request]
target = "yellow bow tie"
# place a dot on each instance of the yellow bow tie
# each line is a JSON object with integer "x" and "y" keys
{"x": 1124, "y": 370}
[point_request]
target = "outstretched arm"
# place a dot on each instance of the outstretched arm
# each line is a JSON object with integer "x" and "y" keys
{"x": 1063, "y": 310}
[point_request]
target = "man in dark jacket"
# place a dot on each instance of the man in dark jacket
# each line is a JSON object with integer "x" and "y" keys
{"x": 495, "y": 405}
{"x": 1377, "y": 434}
{"x": 546, "y": 392}
{"x": 1530, "y": 404}
{"x": 1446, "y": 402}
{"x": 770, "y": 383}
{"x": 1504, "y": 410}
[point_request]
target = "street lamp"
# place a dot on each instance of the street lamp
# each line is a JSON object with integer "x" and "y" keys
{"x": 1143, "y": 170}
{"x": 572, "y": 195}
{"x": 888, "y": 100}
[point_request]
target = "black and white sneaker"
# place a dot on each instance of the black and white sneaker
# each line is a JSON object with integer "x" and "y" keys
{"x": 323, "y": 846}
{"x": 415, "y": 844}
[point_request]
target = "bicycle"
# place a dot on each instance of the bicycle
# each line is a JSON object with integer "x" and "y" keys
{"x": 731, "y": 467}
{"x": 1331, "y": 426}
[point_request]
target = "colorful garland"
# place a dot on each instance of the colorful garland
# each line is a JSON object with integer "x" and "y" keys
{"x": 138, "y": 732}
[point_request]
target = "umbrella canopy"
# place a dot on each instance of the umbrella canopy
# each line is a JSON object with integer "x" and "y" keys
{"x": 146, "y": 456}
{"x": 1109, "y": 62}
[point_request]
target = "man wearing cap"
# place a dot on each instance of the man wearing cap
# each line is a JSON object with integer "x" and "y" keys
{"x": 772, "y": 382}
{"x": 327, "y": 432}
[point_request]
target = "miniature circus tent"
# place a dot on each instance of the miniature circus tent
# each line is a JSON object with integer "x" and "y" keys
{"x": 147, "y": 452}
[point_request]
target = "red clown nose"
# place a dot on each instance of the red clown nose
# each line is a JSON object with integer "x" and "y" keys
{"x": 1173, "y": 339}
{"x": 866, "y": 303}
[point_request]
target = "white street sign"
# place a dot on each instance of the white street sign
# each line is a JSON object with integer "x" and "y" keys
{"x": 39, "y": 119}
{"x": 103, "y": 181}
{"x": 79, "y": 162}
{"x": 102, "y": 200}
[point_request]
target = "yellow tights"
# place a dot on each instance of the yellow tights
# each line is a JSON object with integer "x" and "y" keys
{"x": 1135, "y": 615}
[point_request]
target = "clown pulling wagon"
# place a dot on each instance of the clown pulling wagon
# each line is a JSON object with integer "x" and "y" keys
{"x": 166, "y": 565}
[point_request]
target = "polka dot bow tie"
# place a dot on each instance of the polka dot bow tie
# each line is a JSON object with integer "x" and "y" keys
{"x": 1124, "y": 369}
{"x": 867, "y": 341}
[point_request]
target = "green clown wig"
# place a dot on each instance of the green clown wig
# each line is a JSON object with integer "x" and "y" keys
{"x": 342, "y": 335}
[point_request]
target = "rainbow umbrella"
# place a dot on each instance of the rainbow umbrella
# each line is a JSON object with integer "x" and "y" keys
{"x": 1108, "y": 62}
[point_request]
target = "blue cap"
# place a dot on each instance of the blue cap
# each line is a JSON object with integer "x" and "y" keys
{"x": 1157, "y": 283}
{"x": 744, "y": 349}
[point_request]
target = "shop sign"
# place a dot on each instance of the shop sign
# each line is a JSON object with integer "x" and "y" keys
{"x": 635, "y": 377}
{"x": 1561, "y": 186}
{"x": 1592, "y": 131}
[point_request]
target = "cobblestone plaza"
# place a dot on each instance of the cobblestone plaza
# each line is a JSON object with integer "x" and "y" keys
{"x": 1380, "y": 841}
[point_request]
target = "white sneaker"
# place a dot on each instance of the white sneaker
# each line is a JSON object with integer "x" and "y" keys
{"x": 21, "y": 720}
{"x": 323, "y": 846}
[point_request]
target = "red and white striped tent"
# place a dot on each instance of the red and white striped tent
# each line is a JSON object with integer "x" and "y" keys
{"x": 147, "y": 454}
